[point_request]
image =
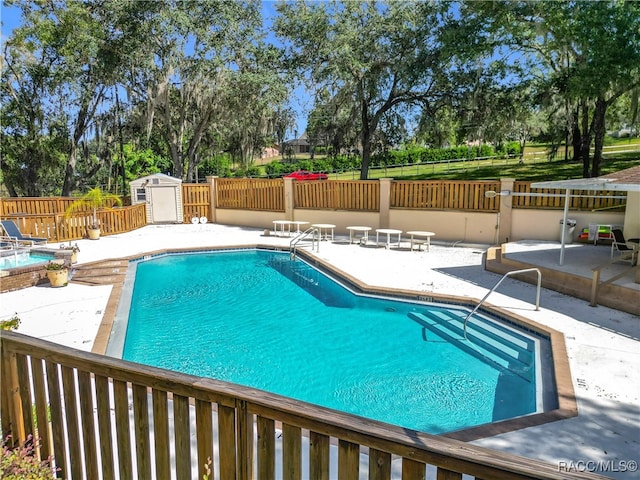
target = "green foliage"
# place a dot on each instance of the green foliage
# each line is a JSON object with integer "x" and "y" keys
{"x": 207, "y": 469}
{"x": 216, "y": 85}
{"x": 376, "y": 58}
{"x": 275, "y": 169}
{"x": 305, "y": 165}
{"x": 142, "y": 162}
{"x": 415, "y": 155}
{"x": 11, "y": 323}
{"x": 55, "y": 266}
{"x": 510, "y": 148}
{"x": 218, "y": 165}
{"x": 251, "y": 171}
{"x": 21, "y": 463}
{"x": 94, "y": 199}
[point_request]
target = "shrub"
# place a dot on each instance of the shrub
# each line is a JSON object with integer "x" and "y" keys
{"x": 10, "y": 323}
{"x": 253, "y": 171}
{"x": 21, "y": 463}
{"x": 274, "y": 169}
{"x": 322, "y": 165}
{"x": 219, "y": 165}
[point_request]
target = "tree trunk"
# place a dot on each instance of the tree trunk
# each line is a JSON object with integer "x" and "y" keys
{"x": 598, "y": 134}
{"x": 365, "y": 139}
{"x": 576, "y": 138}
{"x": 70, "y": 170}
{"x": 585, "y": 140}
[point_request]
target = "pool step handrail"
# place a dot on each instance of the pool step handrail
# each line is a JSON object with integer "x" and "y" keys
{"x": 309, "y": 232}
{"x": 513, "y": 272}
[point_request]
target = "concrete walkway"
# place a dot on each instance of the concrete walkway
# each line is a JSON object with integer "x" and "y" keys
{"x": 602, "y": 343}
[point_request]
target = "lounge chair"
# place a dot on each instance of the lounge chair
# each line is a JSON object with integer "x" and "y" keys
{"x": 621, "y": 245}
{"x": 13, "y": 234}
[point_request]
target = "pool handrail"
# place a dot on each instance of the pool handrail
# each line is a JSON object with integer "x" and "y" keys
{"x": 315, "y": 243}
{"x": 513, "y": 272}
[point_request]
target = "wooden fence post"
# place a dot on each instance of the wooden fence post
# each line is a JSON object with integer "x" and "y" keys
{"x": 289, "y": 199}
{"x": 211, "y": 180}
{"x": 385, "y": 202}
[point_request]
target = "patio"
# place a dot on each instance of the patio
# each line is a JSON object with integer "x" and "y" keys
{"x": 602, "y": 343}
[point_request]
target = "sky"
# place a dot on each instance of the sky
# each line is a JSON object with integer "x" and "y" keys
{"x": 301, "y": 102}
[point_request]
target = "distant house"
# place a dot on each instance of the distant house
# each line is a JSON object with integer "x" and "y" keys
{"x": 269, "y": 152}
{"x": 297, "y": 145}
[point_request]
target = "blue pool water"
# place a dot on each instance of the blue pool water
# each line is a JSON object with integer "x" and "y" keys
{"x": 258, "y": 319}
{"x": 22, "y": 259}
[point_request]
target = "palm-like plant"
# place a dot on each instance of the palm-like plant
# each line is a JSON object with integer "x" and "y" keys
{"x": 94, "y": 199}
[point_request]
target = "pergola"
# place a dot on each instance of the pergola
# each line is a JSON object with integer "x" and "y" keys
{"x": 627, "y": 180}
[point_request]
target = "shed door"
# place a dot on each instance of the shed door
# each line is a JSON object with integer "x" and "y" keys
{"x": 164, "y": 204}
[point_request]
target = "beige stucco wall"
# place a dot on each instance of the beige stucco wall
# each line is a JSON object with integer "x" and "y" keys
{"x": 341, "y": 218}
{"x": 449, "y": 226}
{"x": 529, "y": 224}
{"x": 247, "y": 218}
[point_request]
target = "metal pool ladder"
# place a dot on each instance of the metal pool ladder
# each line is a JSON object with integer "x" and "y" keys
{"x": 496, "y": 286}
{"x": 309, "y": 232}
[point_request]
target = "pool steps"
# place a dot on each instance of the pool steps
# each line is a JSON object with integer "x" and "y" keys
{"x": 496, "y": 345}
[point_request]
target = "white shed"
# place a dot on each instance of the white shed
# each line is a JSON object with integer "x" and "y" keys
{"x": 163, "y": 196}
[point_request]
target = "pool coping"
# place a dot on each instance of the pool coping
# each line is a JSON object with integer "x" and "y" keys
{"x": 565, "y": 393}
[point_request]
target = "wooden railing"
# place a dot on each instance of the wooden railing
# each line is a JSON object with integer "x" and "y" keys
{"x": 445, "y": 195}
{"x": 338, "y": 195}
{"x": 57, "y": 227}
{"x": 554, "y": 198}
{"x": 93, "y": 413}
{"x": 250, "y": 193}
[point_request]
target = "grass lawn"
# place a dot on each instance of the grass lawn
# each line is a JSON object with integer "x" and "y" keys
{"x": 619, "y": 154}
{"x": 495, "y": 169}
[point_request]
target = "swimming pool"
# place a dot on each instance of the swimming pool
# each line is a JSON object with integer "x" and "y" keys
{"x": 22, "y": 258}
{"x": 258, "y": 319}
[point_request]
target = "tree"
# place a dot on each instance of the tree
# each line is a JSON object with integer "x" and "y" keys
{"x": 332, "y": 123}
{"x": 283, "y": 120}
{"x": 586, "y": 52}
{"x": 76, "y": 42}
{"x": 205, "y": 75}
{"x": 34, "y": 135}
{"x": 84, "y": 51}
{"x": 256, "y": 92}
{"x": 375, "y": 56}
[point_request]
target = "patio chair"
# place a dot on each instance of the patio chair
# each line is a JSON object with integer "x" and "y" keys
{"x": 622, "y": 246}
{"x": 13, "y": 233}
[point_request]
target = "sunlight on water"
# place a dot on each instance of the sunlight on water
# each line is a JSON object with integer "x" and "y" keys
{"x": 22, "y": 259}
{"x": 258, "y": 319}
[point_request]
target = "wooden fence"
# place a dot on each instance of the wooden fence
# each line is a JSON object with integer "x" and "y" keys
{"x": 338, "y": 195}
{"x": 57, "y": 227}
{"x": 419, "y": 194}
{"x": 250, "y": 193}
{"x": 44, "y": 217}
{"x": 549, "y": 198}
{"x": 444, "y": 195}
{"x": 196, "y": 201}
{"x": 93, "y": 414}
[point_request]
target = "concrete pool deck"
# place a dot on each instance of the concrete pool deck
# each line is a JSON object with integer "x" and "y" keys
{"x": 602, "y": 343}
